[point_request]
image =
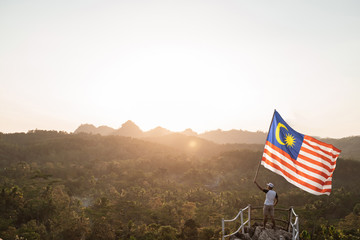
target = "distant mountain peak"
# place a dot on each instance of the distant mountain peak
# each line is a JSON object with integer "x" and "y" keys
{"x": 89, "y": 128}
{"x": 189, "y": 132}
{"x": 129, "y": 123}
{"x": 129, "y": 129}
{"x": 87, "y": 125}
{"x": 85, "y": 128}
{"x": 157, "y": 132}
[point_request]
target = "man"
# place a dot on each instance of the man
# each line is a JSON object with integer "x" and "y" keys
{"x": 270, "y": 202}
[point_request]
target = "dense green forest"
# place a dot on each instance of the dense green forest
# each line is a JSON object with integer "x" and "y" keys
{"x": 56, "y": 185}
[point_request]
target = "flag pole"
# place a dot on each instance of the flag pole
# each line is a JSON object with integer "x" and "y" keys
{"x": 257, "y": 171}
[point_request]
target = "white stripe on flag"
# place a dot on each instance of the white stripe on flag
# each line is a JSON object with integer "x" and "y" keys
{"x": 294, "y": 174}
{"x": 327, "y": 156}
{"x": 293, "y": 182}
{"x": 290, "y": 162}
{"x": 316, "y": 158}
{"x": 326, "y": 149}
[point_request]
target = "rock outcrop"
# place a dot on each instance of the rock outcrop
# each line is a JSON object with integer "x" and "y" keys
{"x": 259, "y": 233}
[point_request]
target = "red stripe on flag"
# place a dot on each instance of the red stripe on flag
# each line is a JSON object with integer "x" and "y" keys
{"x": 294, "y": 169}
{"x": 298, "y": 163}
{"x": 334, "y": 156}
{"x": 307, "y": 167}
{"x": 322, "y": 143}
{"x": 302, "y": 183}
{"x": 314, "y": 162}
{"x": 315, "y": 154}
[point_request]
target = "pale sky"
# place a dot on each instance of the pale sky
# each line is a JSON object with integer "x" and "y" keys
{"x": 197, "y": 64}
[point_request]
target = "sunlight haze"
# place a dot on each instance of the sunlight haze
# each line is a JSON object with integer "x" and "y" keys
{"x": 202, "y": 65}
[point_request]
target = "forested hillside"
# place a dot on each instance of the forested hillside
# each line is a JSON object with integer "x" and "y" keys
{"x": 56, "y": 185}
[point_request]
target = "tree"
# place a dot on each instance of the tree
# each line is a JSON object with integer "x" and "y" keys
{"x": 167, "y": 233}
{"x": 102, "y": 230}
{"x": 190, "y": 230}
{"x": 32, "y": 231}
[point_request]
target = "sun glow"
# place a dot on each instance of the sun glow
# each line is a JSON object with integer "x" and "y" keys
{"x": 192, "y": 144}
{"x": 290, "y": 140}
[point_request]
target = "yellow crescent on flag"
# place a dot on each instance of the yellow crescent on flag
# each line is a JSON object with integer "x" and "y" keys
{"x": 277, "y": 133}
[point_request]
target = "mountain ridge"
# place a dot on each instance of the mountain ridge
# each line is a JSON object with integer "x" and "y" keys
{"x": 350, "y": 146}
{"x": 130, "y": 129}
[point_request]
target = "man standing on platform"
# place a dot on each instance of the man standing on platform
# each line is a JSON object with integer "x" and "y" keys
{"x": 270, "y": 202}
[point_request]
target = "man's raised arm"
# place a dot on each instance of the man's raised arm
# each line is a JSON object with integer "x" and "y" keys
{"x": 258, "y": 185}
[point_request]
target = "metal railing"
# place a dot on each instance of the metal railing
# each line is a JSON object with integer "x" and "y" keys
{"x": 290, "y": 226}
{"x": 294, "y": 226}
{"x": 241, "y": 219}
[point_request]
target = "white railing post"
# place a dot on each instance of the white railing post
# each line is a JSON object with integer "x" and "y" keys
{"x": 290, "y": 220}
{"x": 297, "y": 228}
{"x": 249, "y": 217}
{"x": 242, "y": 222}
{"x": 293, "y": 231}
{"x": 223, "y": 229}
{"x": 295, "y": 225}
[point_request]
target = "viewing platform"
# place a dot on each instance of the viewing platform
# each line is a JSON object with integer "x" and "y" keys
{"x": 287, "y": 225}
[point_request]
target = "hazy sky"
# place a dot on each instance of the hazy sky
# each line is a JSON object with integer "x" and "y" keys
{"x": 197, "y": 64}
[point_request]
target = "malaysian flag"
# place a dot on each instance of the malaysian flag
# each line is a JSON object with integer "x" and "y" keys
{"x": 302, "y": 160}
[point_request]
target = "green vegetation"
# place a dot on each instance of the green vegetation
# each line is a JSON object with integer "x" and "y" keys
{"x": 77, "y": 186}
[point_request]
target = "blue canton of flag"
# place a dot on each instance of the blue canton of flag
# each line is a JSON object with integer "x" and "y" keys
{"x": 284, "y": 137}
